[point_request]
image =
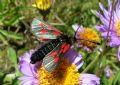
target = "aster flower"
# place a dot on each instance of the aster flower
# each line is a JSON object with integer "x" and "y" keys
{"x": 114, "y": 28}
{"x": 88, "y": 38}
{"x": 66, "y": 72}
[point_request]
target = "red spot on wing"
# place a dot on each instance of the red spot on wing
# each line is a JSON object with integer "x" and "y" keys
{"x": 41, "y": 24}
{"x": 56, "y": 59}
{"x": 43, "y": 31}
{"x": 52, "y": 28}
{"x": 66, "y": 48}
{"x": 43, "y": 39}
{"x": 56, "y": 33}
{"x": 63, "y": 45}
{"x": 53, "y": 53}
{"x": 61, "y": 51}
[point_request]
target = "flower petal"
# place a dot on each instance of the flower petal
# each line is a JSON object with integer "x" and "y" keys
{"x": 74, "y": 57}
{"x": 29, "y": 83}
{"x": 106, "y": 13}
{"x": 114, "y": 41}
{"x": 26, "y": 78}
{"x": 26, "y": 56}
{"x": 101, "y": 28}
{"x": 26, "y": 68}
{"x": 75, "y": 27}
{"x": 89, "y": 79}
{"x": 103, "y": 20}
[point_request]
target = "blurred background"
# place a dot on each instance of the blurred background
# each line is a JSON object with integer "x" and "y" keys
{"x": 16, "y": 37}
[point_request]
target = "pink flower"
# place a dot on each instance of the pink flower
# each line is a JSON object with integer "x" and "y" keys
{"x": 31, "y": 71}
{"x": 114, "y": 31}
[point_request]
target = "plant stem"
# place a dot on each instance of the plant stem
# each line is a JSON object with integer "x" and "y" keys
{"x": 96, "y": 59}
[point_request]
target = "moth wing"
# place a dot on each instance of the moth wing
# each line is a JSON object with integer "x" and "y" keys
{"x": 52, "y": 59}
{"x": 43, "y": 31}
{"x": 49, "y": 63}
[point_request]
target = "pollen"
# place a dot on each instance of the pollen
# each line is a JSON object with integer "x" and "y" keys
{"x": 117, "y": 27}
{"x": 64, "y": 74}
{"x": 89, "y": 37}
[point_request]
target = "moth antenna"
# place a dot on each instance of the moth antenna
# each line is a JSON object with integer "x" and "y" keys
{"x": 90, "y": 41}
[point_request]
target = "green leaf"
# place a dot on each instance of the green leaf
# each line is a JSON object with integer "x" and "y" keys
{"x": 12, "y": 55}
{"x": 94, "y": 12}
{"x": 10, "y": 34}
{"x": 9, "y": 79}
{"x": 116, "y": 78}
{"x": 3, "y": 39}
{"x": 104, "y": 80}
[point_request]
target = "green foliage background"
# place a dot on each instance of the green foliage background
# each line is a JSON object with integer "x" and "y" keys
{"x": 16, "y": 37}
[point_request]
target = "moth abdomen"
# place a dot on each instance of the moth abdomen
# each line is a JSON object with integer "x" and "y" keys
{"x": 47, "y": 48}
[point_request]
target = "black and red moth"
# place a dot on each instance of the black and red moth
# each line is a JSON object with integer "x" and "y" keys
{"x": 56, "y": 45}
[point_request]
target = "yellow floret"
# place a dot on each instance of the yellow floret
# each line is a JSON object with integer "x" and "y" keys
{"x": 117, "y": 26}
{"x": 64, "y": 74}
{"x": 43, "y": 4}
{"x": 89, "y": 37}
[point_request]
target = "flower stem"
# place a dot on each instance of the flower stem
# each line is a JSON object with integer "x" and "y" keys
{"x": 96, "y": 59}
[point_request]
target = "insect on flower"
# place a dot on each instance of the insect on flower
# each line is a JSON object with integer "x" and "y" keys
{"x": 56, "y": 44}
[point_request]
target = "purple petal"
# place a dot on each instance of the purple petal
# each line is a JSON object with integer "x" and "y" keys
{"x": 119, "y": 53}
{"x": 26, "y": 56}
{"x": 26, "y": 78}
{"x": 78, "y": 29}
{"x": 104, "y": 34}
{"x": 101, "y": 28}
{"x": 28, "y": 81}
{"x": 109, "y": 5}
{"x": 103, "y": 20}
{"x": 78, "y": 61}
{"x": 87, "y": 49}
{"x": 116, "y": 18}
{"x": 114, "y": 41}
{"x": 74, "y": 57}
{"x": 75, "y": 27}
{"x": 26, "y": 68}
{"x": 106, "y": 14}
{"x": 89, "y": 79}
{"x": 118, "y": 4}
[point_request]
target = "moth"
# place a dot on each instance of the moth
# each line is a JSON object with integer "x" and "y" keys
{"x": 56, "y": 45}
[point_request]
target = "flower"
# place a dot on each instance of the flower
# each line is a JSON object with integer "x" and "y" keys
{"x": 112, "y": 17}
{"x": 88, "y": 38}
{"x": 66, "y": 72}
{"x": 43, "y": 7}
{"x": 43, "y": 4}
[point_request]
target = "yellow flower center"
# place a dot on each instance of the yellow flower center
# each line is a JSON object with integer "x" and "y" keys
{"x": 89, "y": 37}
{"x": 64, "y": 74}
{"x": 117, "y": 26}
{"x": 43, "y": 4}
